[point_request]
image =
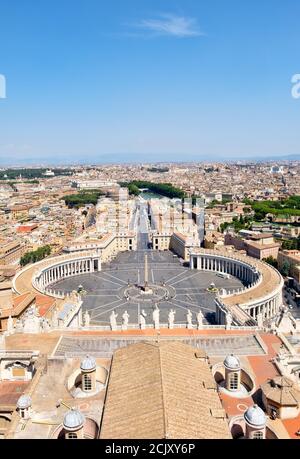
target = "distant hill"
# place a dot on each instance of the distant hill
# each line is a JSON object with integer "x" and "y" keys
{"x": 137, "y": 158}
{"x": 277, "y": 158}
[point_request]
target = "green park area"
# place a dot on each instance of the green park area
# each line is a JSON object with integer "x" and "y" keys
{"x": 284, "y": 208}
{"x": 35, "y": 255}
{"x": 29, "y": 173}
{"x": 82, "y": 198}
{"x": 163, "y": 189}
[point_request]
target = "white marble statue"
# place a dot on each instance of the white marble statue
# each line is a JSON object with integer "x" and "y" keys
{"x": 32, "y": 323}
{"x": 19, "y": 325}
{"x": 222, "y": 292}
{"x": 171, "y": 318}
{"x": 125, "y": 318}
{"x": 155, "y": 316}
{"x": 200, "y": 318}
{"x": 273, "y": 325}
{"x": 46, "y": 325}
{"x": 10, "y": 324}
{"x": 2, "y": 341}
{"x": 229, "y": 319}
{"x": 113, "y": 320}
{"x": 55, "y": 319}
{"x": 143, "y": 316}
{"x": 260, "y": 320}
{"x": 87, "y": 319}
{"x": 189, "y": 318}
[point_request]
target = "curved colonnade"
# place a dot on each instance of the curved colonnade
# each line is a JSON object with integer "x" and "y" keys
{"x": 262, "y": 294}
{"x": 47, "y": 272}
{"x": 260, "y": 297}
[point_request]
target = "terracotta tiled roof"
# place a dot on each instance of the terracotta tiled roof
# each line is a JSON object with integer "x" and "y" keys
{"x": 10, "y": 391}
{"x": 162, "y": 390}
{"x": 20, "y": 303}
{"x": 44, "y": 303}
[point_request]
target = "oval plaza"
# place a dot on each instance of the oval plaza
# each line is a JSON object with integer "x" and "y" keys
{"x": 246, "y": 291}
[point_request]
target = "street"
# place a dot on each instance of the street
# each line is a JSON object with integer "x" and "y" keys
{"x": 140, "y": 224}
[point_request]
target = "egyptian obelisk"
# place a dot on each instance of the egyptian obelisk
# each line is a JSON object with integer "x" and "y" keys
{"x": 146, "y": 273}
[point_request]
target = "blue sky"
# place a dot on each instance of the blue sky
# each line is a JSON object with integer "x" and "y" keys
{"x": 122, "y": 80}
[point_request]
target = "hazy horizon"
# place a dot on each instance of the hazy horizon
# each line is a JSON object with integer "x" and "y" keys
{"x": 45, "y": 162}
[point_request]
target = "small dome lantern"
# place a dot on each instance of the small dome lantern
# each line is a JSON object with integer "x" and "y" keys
{"x": 88, "y": 368}
{"x": 24, "y": 406}
{"x": 73, "y": 424}
{"x": 255, "y": 420}
{"x": 232, "y": 366}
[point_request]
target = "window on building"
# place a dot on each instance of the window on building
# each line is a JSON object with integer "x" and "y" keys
{"x": 18, "y": 371}
{"x": 233, "y": 381}
{"x": 258, "y": 435}
{"x": 87, "y": 383}
{"x": 22, "y": 413}
{"x": 72, "y": 436}
{"x": 273, "y": 412}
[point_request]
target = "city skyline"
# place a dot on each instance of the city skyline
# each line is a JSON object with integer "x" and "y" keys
{"x": 94, "y": 161}
{"x": 154, "y": 83}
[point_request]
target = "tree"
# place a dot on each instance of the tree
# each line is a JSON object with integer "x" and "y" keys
{"x": 224, "y": 226}
{"x": 133, "y": 189}
{"x": 285, "y": 270}
{"x": 290, "y": 244}
{"x": 36, "y": 255}
{"x": 271, "y": 261}
{"x": 259, "y": 215}
{"x": 164, "y": 189}
{"x": 82, "y": 198}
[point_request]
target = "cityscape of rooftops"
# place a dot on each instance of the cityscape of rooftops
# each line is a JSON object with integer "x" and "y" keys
{"x": 149, "y": 222}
